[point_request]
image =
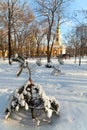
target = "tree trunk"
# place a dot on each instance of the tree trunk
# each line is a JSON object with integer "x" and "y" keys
{"x": 80, "y": 54}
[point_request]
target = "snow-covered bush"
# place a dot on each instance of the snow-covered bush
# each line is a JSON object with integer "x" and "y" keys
{"x": 38, "y": 62}
{"x": 31, "y": 96}
{"x": 24, "y": 98}
{"x": 19, "y": 99}
{"x": 60, "y": 60}
{"x": 50, "y": 103}
{"x": 56, "y": 71}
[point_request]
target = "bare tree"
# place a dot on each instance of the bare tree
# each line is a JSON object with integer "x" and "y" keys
{"x": 73, "y": 44}
{"x": 21, "y": 17}
{"x": 3, "y": 41}
{"x": 38, "y": 32}
{"x": 77, "y": 40}
{"x": 81, "y": 33}
{"x": 50, "y": 11}
{"x": 22, "y": 24}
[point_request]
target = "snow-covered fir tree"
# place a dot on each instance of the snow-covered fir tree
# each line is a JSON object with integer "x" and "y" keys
{"x": 31, "y": 96}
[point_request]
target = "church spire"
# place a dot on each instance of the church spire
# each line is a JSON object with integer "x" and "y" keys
{"x": 58, "y": 40}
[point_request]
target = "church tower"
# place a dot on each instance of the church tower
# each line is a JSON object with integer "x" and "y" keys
{"x": 57, "y": 47}
{"x": 58, "y": 37}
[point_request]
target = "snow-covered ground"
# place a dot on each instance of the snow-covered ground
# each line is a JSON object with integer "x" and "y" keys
{"x": 69, "y": 88}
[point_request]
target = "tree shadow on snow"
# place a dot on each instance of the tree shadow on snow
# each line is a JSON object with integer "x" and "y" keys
{"x": 24, "y": 118}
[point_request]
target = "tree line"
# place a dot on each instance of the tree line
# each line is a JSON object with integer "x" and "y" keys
{"x": 21, "y": 27}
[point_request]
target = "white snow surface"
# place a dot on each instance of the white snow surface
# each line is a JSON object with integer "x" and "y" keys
{"x": 69, "y": 88}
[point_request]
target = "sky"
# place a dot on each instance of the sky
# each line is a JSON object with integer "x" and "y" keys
{"x": 75, "y": 7}
{"x": 79, "y": 4}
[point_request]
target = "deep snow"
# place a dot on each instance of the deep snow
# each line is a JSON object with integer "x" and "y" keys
{"x": 69, "y": 88}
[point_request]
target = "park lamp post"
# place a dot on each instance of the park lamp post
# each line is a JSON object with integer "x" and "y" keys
{"x": 9, "y": 29}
